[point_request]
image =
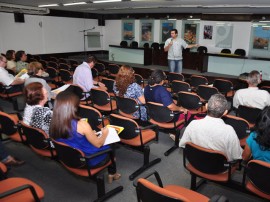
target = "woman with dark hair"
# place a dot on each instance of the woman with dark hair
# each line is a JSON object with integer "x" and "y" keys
{"x": 11, "y": 64}
{"x": 21, "y": 59}
{"x": 156, "y": 92}
{"x": 125, "y": 86}
{"x": 77, "y": 133}
{"x": 35, "y": 114}
{"x": 258, "y": 142}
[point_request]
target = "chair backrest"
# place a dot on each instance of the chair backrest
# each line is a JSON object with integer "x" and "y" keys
{"x": 68, "y": 156}
{"x": 202, "y": 49}
{"x": 224, "y": 86}
{"x": 124, "y": 44}
{"x": 240, "y": 125}
{"x": 134, "y": 44}
{"x": 149, "y": 192}
{"x": 126, "y": 105}
{"x": 94, "y": 72}
{"x": 258, "y": 173}
{"x": 240, "y": 52}
{"x": 189, "y": 101}
{"x": 64, "y": 66}
{"x": 113, "y": 68}
{"x": 225, "y": 50}
{"x": 100, "y": 67}
{"x": 73, "y": 63}
{"x": 77, "y": 90}
{"x": 146, "y": 45}
{"x": 37, "y": 139}
{"x": 7, "y": 124}
{"x": 62, "y": 60}
{"x": 93, "y": 116}
{"x": 52, "y": 64}
{"x": 267, "y": 88}
{"x": 158, "y": 112}
{"x": 161, "y": 46}
{"x": 205, "y": 160}
{"x": 54, "y": 59}
{"x": 109, "y": 83}
{"x": 139, "y": 79}
{"x": 130, "y": 126}
{"x": 52, "y": 72}
{"x": 205, "y": 91}
{"x": 44, "y": 63}
{"x": 155, "y": 46}
{"x": 65, "y": 75}
{"x": 175, "y": 76}
{"x": 248, "y": 113}
{"x": 178, "y": 86}
{"x": 196, "y": 80}
{"x": 99, "y": 97}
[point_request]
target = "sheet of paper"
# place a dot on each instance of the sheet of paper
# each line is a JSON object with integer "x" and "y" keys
{"x": 112, "y": 137}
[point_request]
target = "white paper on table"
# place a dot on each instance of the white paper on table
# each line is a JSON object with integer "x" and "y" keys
{"x": 112, "y": 137}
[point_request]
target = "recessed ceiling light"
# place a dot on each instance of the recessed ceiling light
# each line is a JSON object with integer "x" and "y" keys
{"x": 74, "y": 3}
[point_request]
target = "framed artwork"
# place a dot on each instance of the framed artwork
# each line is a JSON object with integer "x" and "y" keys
{"x": 128, "y": 30}
{"x": 224, "y": 35}
{"x": 191, "y": 31}
{"x": 166, "y": 26}
{"x": 208, "y": 32}
{"x": 261, "y": 36}
{"x": 146, "y": 30}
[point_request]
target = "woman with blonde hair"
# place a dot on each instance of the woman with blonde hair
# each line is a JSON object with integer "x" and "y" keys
{"x": 126, "y": 86}
{"x": 36, "y": 69}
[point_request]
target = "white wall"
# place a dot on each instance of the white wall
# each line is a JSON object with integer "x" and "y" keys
{"x": 47, "y": 34}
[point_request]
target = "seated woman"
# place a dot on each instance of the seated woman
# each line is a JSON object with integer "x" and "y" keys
{"x": 21, "y": 59}
{"x": 156, "y": 92}
{"x": 11, "y": 64}
{"x": 35, "y": 114}
{"x": 258, "y": 142}
{"x": 77, "y": 133}
{"x": 125, "y": 86}
{"x": 36, "y": 71}
{"x": 36, "y": 68}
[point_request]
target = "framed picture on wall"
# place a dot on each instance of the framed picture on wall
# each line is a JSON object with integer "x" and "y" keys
{"x": 128, "y": 30}
{"x": 191, "y": 31}
{"x": 166, "y": 27}
{"x": 208, "y": 32}
{"x": 261, "y": 35}
{"x": 224, "y": 35}
{"x": 146, "y": 30}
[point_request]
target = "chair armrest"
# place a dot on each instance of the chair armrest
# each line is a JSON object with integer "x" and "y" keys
{"x": 157, "y": 176}
{"x": 148, "y": 127}
{"x": 99, "y": 153}
{"x": 19, "y": 189}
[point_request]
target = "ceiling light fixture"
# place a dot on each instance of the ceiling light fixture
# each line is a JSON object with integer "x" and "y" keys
{"x": 74, "y": 3}
{"x": 47, "y": 5}
{"x": 106, "y": 1}
{"x": 194, "y": 19}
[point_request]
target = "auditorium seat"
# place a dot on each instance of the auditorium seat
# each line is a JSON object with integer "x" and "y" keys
{"x": 240, "y": 52}
{"x": 124, "y": 44}
{"x": 134, "y": 44}
{"x": 225, "y": 50}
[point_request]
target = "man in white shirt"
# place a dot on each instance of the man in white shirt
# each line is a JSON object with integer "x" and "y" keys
{"x": 83, "y": 75}
{"x": 252, "y": 96}
{"x": 13, "y": 84}
{"x": 212, "y": 133}
{"x": 174, "y": 47}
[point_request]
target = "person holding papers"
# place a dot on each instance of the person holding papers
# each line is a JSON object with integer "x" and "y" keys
{"x": 77, "y": 133}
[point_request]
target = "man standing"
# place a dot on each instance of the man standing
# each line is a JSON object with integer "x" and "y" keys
{"x": 252, "y": 96}
{"x": 13, "y": 83}
{"x": 174, "y": 47}
{"x": 212, "y": 133}
{"x": 83, "y": 75}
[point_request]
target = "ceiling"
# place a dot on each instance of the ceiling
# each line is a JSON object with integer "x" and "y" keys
{"x": 157, "y": 6}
